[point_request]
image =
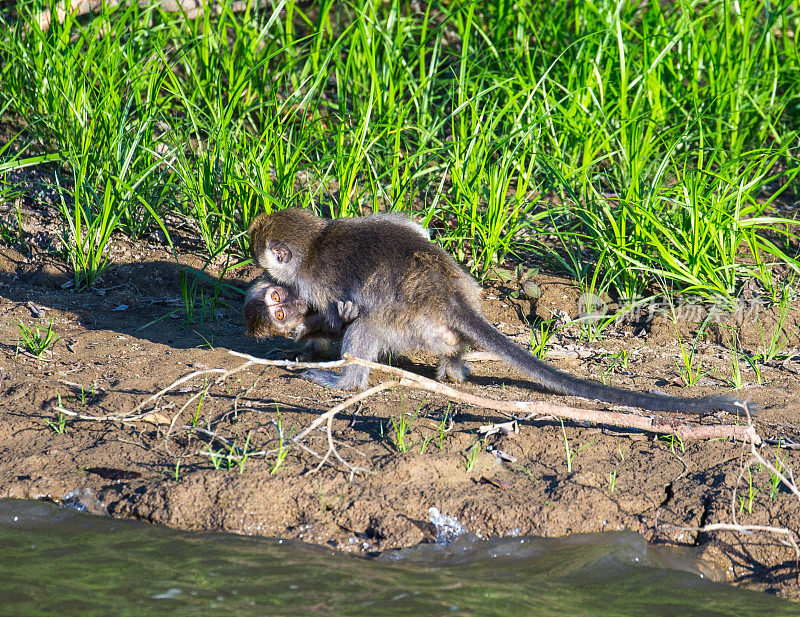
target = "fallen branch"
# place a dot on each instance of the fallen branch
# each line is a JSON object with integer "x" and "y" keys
{"x": 680, "y": 427}
{"x": 674, "y": 426}
{"x": 291, "y": 364}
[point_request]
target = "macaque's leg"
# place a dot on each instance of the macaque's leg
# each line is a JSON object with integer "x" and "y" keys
{"x": 360, "y": 341}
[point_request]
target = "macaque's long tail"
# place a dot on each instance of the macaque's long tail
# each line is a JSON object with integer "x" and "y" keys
{"x": 481, "y": 332}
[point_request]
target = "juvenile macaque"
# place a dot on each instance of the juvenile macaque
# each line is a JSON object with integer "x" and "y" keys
{"x": 274, "y": 310}
{"x": 407, "y": 293}
{"x": 271, "y": 309}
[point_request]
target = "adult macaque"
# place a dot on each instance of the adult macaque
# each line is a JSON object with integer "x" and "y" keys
{"x": 408, "y": 294}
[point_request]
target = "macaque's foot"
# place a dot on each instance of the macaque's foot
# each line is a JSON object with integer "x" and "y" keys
{"x": 302, "y": 355}
{"x": 348, "y": 311}
{"x": 454, "y": 369}
{"x": 329, "y": 379}
{"x": 347, "y": 380}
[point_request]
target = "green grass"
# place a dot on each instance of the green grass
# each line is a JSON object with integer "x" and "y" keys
{"x": 637, "y": 147}
{"x": 472, "y": 455}
{"x": 59, "y": 425}
{"x": 690, "y": 364}
{"x": 35, "y": 339}
{"x": 283, "y": 443}
{"x": 569, "y": 452}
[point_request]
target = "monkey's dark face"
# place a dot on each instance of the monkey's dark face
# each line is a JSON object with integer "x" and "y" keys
{"x": 286, "y": 311}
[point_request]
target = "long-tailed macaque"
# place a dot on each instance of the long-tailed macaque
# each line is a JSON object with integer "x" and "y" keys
{"x": 408, "y": 293}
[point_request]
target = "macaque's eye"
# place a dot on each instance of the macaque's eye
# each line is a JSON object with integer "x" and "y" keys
{"x": 276, "y": 296}
{"x": 279, "y": 314}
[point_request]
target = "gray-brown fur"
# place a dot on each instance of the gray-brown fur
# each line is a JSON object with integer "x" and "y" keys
{"x": 409, "y": 294}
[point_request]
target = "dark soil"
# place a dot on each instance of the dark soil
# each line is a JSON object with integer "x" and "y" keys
{"x": 128, "y": 338}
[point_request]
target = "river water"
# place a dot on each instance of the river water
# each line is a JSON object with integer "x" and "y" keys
{"x": 59, "y": 562}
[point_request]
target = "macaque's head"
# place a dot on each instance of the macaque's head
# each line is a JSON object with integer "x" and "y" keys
{"x": 280, "y": 241}
{"x": 286, "y": 311}
{"x": 273, "y": 309}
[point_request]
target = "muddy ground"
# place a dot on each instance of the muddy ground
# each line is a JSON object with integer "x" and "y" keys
{"x": 127, "y": 339}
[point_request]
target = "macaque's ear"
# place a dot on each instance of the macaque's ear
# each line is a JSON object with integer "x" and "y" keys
{"x": 282, "y": 252}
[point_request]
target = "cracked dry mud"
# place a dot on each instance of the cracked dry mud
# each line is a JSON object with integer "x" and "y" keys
{"x": 108, "y": 359}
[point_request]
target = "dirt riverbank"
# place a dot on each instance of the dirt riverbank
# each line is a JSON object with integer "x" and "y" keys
{"x": 170, "y": 467}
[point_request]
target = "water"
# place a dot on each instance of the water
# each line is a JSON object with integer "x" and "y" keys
{"x": 56, "y": 561}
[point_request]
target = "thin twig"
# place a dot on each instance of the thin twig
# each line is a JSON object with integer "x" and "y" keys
{"x": 178, "y": 382}
{"x": 756, "y": 455}
{"x": 790, "y": 534}
{"x": 124, "y": 418}
{"x": 344, "y": 405}
{"x": 789, "y": 483}
{"x": 328, "y": 418}
{"x": 747, "y": 529}
{"x": 290, "y": 364}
